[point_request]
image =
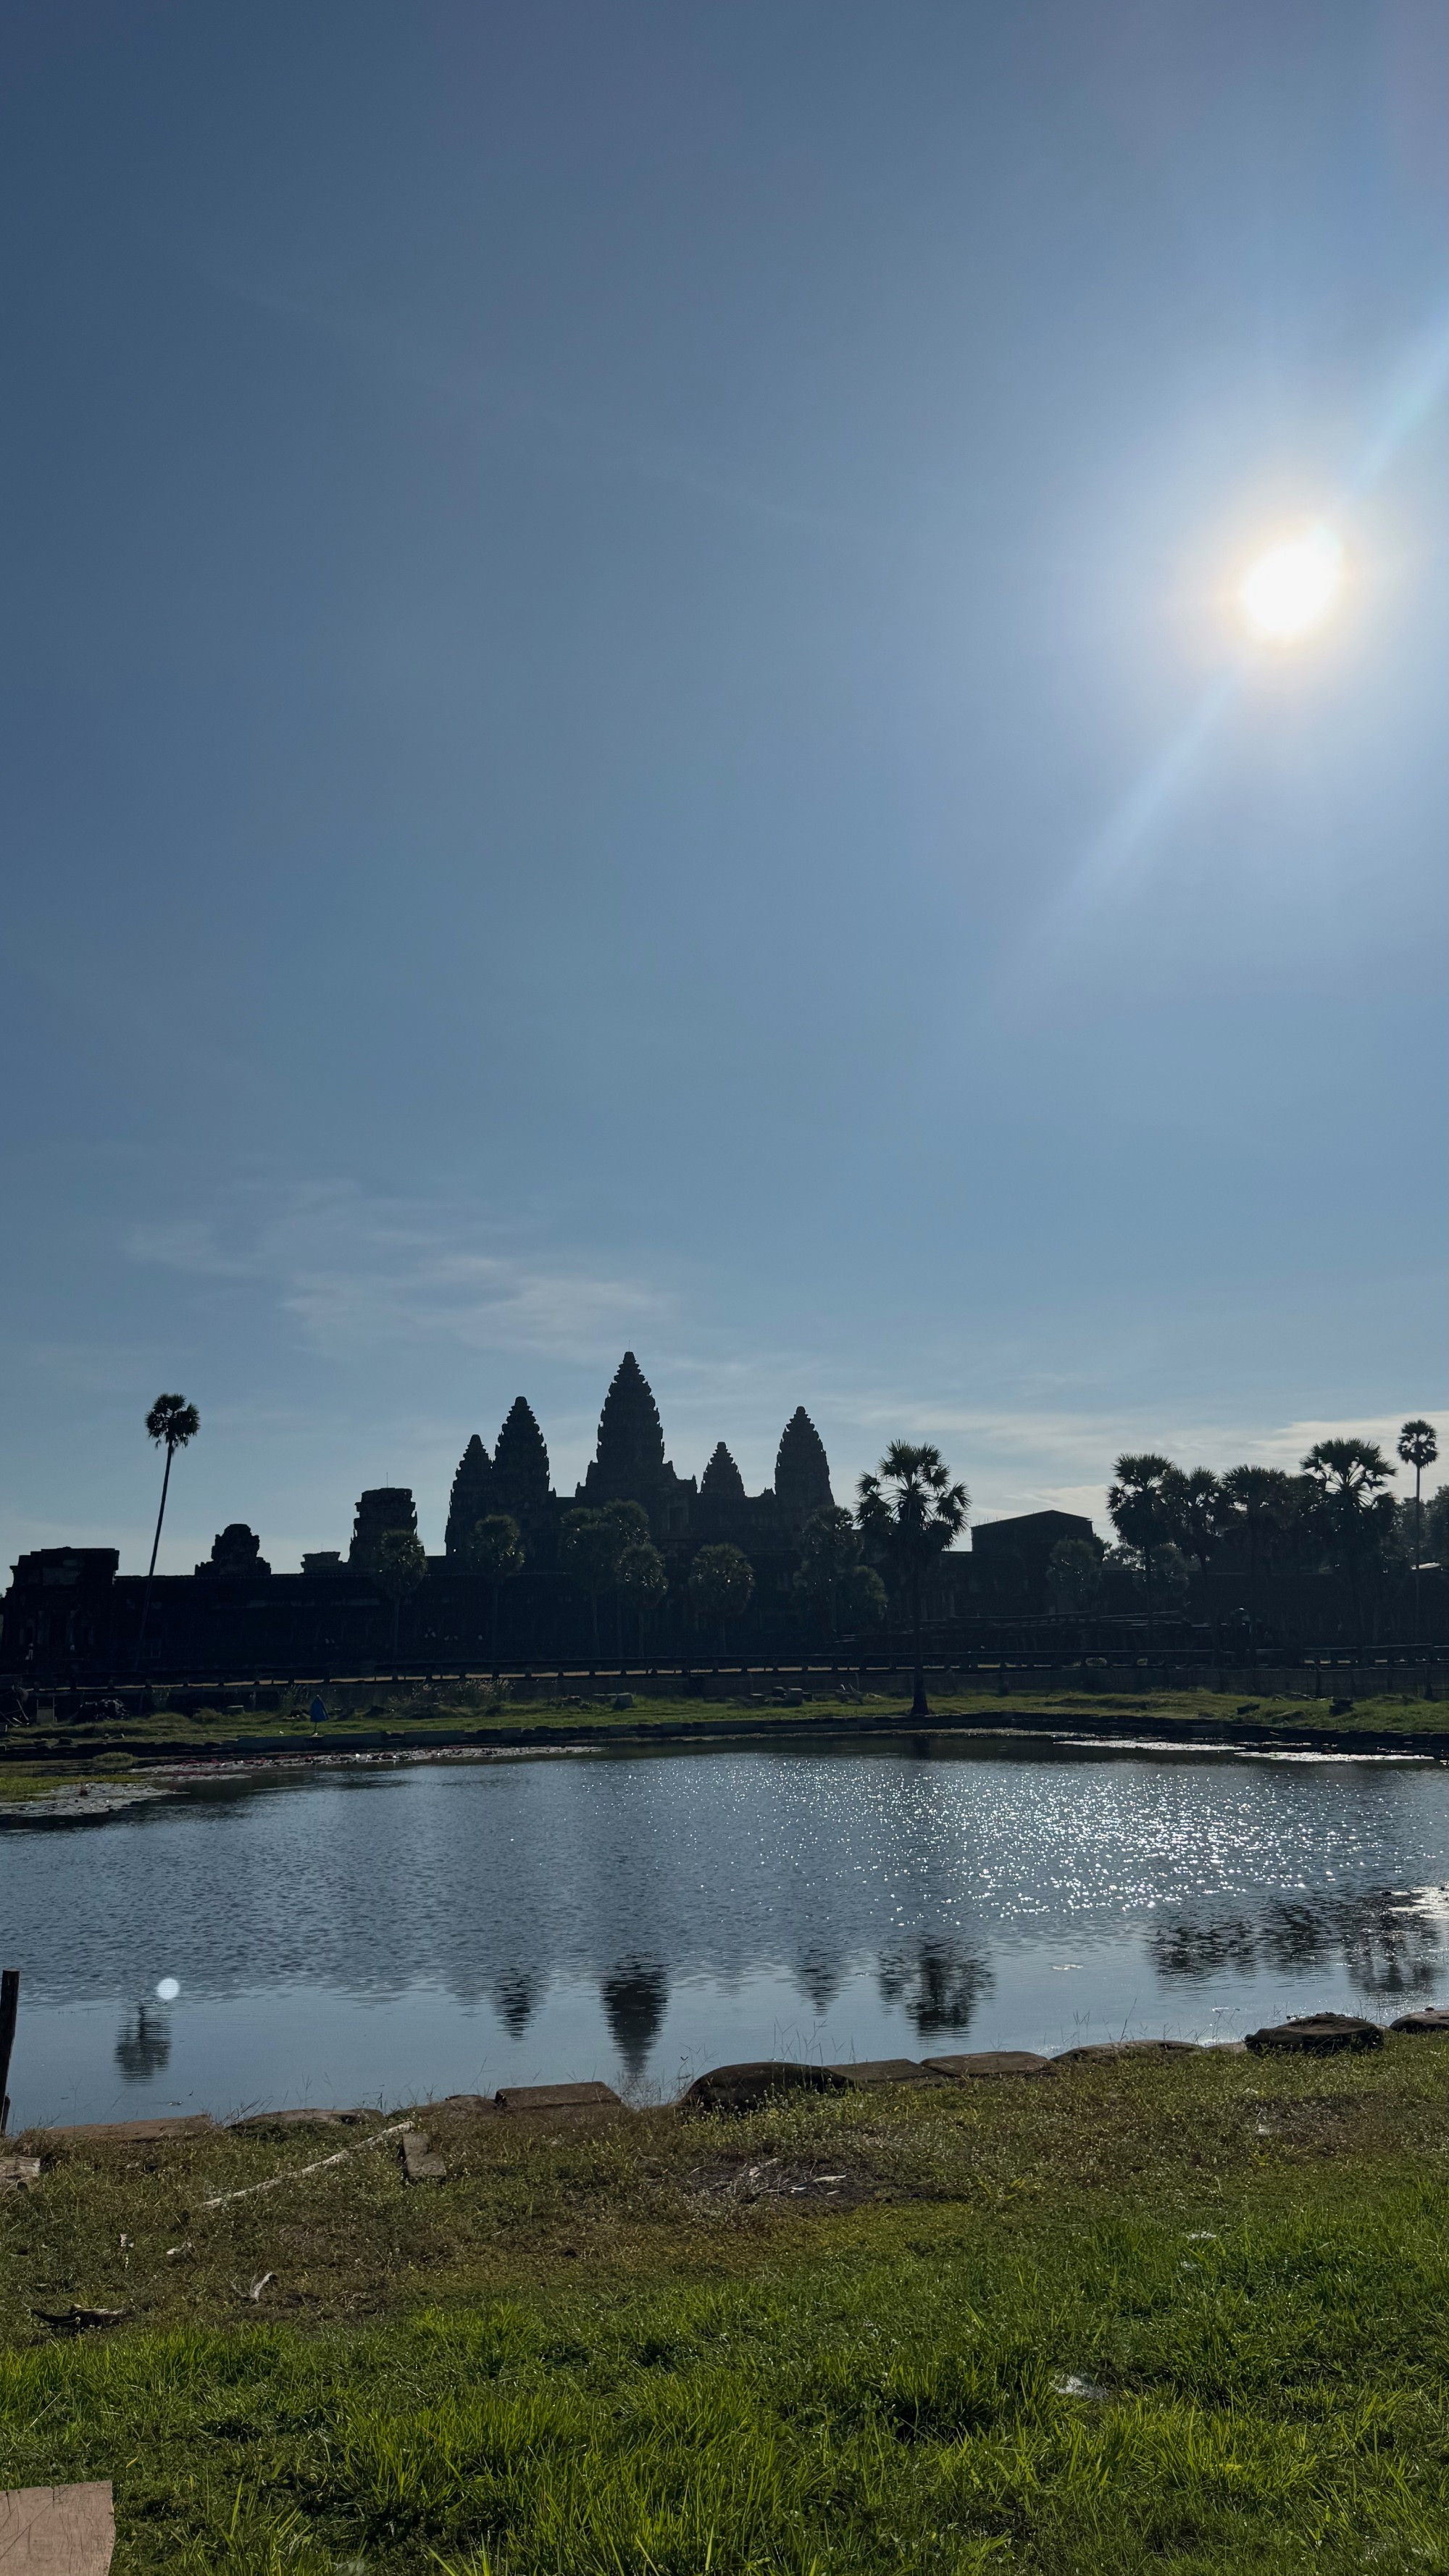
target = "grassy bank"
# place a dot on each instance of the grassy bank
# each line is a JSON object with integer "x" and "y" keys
{"x": 438, "y": 1717}
{"x": 1180, "y": 2315}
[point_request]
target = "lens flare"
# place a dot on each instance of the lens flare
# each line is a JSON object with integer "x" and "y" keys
{"x": 1291, "y": 589}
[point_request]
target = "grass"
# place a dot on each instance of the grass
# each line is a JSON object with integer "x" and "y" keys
{"x": 1180, "y": 2315}
{"x": 445, "y": 1715}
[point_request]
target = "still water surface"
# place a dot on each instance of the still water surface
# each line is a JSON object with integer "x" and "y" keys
{"x": 347, "y": 1936}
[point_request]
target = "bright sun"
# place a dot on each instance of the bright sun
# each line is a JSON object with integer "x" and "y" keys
{"x": 1291, "y": 589}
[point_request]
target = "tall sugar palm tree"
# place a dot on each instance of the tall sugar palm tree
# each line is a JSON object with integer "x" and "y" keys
{"x": 171, "y": 1423}
{"x": 1138, "y": 1504}
{"x": 1418, "y": 1449}
{"x": 1258, "y": 1500}
{"x": 910, "y": 1512}
{"x": 1353, "y": 1511}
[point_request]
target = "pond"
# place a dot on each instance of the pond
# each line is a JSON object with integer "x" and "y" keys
{"x": 358, "y": 1935}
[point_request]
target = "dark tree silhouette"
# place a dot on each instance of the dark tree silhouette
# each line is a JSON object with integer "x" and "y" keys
{"x": 863, "y": 1598}
{"x": 591, "y": 1548}
{"x": 494, "y": 1549}
{"x": 1418, "y": 1449}
{"x": 1197, "y": 1515}
{"x": 1196, "y": 1512}
{"x": 1138, "y": 1505}
{"x": 1259, "y": 1501}
{"x": 171, "y": 1422}
{"x": 721, "y": 1585}
{"x": 1353, "y": 1512}
{"x": 643, "y": 1579}
{"x": 1073, "y": 1578}
{"x": 910, "y": 1513}
{"x": 829, "y": 1555}
{"x": 401, "y": 1566}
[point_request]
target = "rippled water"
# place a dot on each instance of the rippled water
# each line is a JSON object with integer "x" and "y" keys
{"x": 351, "y": 1936}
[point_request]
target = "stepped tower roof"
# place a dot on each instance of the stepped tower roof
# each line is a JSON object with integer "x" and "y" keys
{"x": 631, "y": 1436}
{"x": 471, "y": 1497}
{"x": 802, "y": 1470}
{"x": 721, "y": 1481}
{"x": 520, "y": 1462}
{"x": 629, "y": 1464}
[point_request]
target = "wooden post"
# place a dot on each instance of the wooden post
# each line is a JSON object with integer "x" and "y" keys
{"x": 9, "y": 2007}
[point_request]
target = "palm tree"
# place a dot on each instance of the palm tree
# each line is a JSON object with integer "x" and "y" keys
{"x": 1348, "y": 1474}
{"x": 1196, "y": 1513}
{"x": 1138, "y": 1503}
{"x": 1418, "y": 1449}
{"x": 910, "y": 1512}
{"x": 1258, "y": 1500}
{"x": 400, "y": 1567}
{"x": 171, "y": 1422}
{"x": 494, "y": 1549}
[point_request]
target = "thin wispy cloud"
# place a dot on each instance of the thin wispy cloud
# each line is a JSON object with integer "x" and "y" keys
{"x": 356, "y": 1274}
{"x": 518, "y": 416}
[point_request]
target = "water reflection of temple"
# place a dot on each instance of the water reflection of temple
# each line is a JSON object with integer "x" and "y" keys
{"x": 635, "y": 1998}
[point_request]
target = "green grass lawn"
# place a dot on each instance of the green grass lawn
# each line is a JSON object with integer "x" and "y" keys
{"x": 1181, "y": 2315}
{"x": 418, "y": 1721}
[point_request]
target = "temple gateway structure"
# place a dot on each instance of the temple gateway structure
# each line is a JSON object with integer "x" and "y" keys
{"x": 71, "y": 1614}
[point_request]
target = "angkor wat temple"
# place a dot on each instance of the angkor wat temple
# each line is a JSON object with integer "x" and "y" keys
{"x": 70, "y": 1614}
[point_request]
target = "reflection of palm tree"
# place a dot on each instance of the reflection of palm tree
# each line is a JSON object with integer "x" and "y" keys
{"x": 1191, "y": 1953}
{"x": 515, "y": 1998}
{"x": 818, "y": 1979}
{"x": 940, "y": 1987}
{"x": 144, "y": 2045}
{"x": 1383, "y": 1947}
{"x": 635, "y": 1997}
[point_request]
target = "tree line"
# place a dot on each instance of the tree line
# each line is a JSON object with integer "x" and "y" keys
{"x": 1334, "y": 1515}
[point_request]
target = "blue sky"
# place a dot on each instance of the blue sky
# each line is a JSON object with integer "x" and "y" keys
{"x": 622, "y": 725}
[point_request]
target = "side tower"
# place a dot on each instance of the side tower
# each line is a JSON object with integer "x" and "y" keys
{"x": 472, "y": 1496}
{"x": 381, "y": 1508}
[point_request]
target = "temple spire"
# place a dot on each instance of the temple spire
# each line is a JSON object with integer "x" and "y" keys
{"x": 802, "y": 1470}
{"x": 631, "y": 1436}
{"x": 520, "y": 1463}
{"x": 721, "y": 1481}
{"x": 472, "y": 1496}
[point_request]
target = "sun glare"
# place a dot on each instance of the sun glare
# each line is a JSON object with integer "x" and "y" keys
{"x": 1291, "y": 589}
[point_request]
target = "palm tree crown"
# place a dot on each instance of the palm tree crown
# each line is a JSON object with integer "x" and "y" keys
{"x": 909, "y": 1512}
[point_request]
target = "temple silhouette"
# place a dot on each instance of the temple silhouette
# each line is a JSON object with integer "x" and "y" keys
{"x": 71, "y": 1614}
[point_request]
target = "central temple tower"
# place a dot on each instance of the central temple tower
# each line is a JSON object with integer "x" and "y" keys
{"x": 629, "y": 1464}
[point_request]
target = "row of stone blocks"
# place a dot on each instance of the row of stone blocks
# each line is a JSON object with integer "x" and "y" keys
{"x": 750, "y": 2086}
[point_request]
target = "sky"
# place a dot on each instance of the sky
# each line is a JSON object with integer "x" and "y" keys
{"x": 624, "y": 724}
